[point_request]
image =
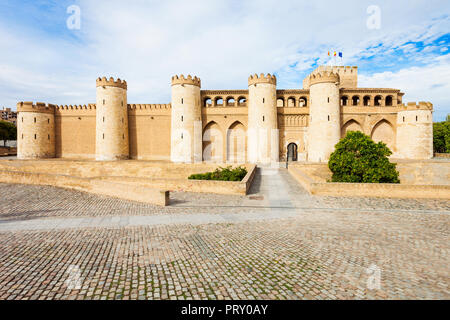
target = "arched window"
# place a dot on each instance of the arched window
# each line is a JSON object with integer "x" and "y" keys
{"x": 207, "y": 102}
{"x": 242, "y": 101}
{"x": 378, "y": 100}
{"x": 344, "y": 101}
{"x": 230, "y": 101}
{"x": 219, "y": 101}
{"x": 303, "y": 102}
{"x": 366, "y": 101}
{"x": 291, "y": 102}
{"x": 389, "y": 100}
{"x": 355, "y": 100}
{"x": 280, "y": 102}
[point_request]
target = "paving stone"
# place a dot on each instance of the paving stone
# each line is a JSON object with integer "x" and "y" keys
{"x": 329, "y": 249}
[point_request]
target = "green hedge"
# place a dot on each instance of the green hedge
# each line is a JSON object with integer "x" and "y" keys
{"x": 222, "y": 174}
{"x": 357, "y": 158}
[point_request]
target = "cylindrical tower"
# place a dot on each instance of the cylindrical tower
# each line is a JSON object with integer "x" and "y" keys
{"x": 415, "y": 132}
{"x": 324, "y": 115}
{"x": 35, "y": 130}
{"x": 111, "y": 120}
{"x": 186, "y": 124}
{"x": 263, "y": 140}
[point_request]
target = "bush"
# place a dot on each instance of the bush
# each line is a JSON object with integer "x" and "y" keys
{"x": 441, "y": 136}
{"x": 357, "y": 158}
{"x": 223, "y": 174}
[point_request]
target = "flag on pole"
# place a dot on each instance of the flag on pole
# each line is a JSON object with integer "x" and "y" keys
{"x": 328, "y": 53}
{"x": 340, "y": 54}
{"x": 335, "y": 53}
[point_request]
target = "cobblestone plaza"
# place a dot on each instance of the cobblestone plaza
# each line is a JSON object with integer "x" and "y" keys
{"x": 278, "y": 242}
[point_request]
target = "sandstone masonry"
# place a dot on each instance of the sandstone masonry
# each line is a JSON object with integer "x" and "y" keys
{"x": 260, "y": 124}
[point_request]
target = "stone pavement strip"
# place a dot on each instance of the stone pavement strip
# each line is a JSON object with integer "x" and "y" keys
{"x": 279, "y": 242}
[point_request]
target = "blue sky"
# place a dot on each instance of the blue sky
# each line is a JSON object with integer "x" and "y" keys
{"x": 223, "y": 42}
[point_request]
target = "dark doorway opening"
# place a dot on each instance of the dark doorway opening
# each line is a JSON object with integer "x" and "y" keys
{"x": 292, "y": 152}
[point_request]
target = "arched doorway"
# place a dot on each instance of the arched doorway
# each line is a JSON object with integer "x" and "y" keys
{"x": 212, "y": 143}
{"x": 236, "y": 143}
{"x": 383, "y": 131}
{"x": 350, "y": 125}
{"x": 292, "y": 152}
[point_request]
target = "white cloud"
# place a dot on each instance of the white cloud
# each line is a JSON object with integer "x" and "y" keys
{"x": 223, "y": 42}
{"x": 427, "y": 83}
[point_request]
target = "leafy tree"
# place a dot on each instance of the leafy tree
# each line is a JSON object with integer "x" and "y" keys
{"x": 441, "y": 136}
{"x": 8, "y": 131}
{"x": 357, "y": 158}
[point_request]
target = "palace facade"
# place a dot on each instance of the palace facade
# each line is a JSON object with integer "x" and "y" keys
{"x": 259, "y": 124}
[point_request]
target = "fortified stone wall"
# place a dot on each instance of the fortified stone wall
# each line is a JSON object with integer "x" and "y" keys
{"x": 112, "y": 141}
{"x": 75, "y": 131}
{"x": 224, "y": 125}
{"x": 186, "y": 120}
{"x": 415, "y": 131}
{"x": 35, "y": 130}
{"x": 149, "y": 131}
{"x": 348, "y": 75}
{"x": 263, "y": 143}
{"x": 324, "y": 128}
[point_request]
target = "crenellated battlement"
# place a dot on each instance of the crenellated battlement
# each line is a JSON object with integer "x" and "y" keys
{"x": 148, "y": 106}
{"x": 254, "y": 79}
{"x": 421, "y": 105}
{"x": 111, "y": 83}
{"x": 324, "y": 76}
{"x": 348, "y": 76}
{"x": 188, "y": 80}
{"x": 337, "y": 69}
{"x": 76, "y": 107}
{"x": 329, "y": 105}
{"x": 40, "y": 107}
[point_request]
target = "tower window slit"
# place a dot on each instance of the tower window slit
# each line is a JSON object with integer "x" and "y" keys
{"x": 182, "y": 118}
{"x": 181, "y": 136}
{"x": 328, "y": 118}
{"x": 103, "y": 136}
{"x": 103, "y": 101}
{"x": 182, "y": 100}
{"x": 35, "y": 136}
{"x": 34, "y": 120}
{"x": 48, "y": 120}
{"x": 264, "y": 100}
{"x": 48, "y": 137}
{"x": 417, "y": 118}
{"x": 328, "y": 99}
{"x": 264, "y": 118}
